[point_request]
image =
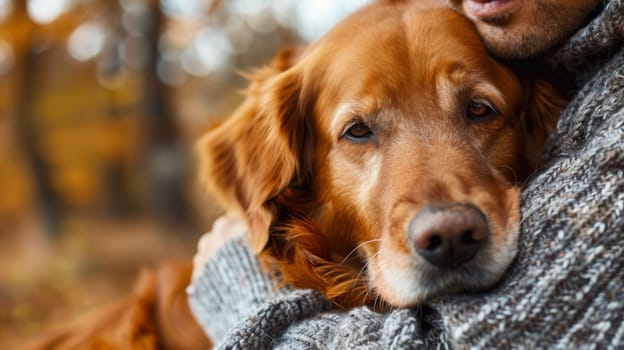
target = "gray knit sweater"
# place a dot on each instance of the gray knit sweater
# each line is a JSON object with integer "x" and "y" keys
{"x": 565, "y": 290}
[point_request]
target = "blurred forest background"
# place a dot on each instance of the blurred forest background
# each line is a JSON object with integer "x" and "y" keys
{"x": 101, "y": 102}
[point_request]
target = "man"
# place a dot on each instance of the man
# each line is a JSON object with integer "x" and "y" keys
{"x": 566, "y": 289}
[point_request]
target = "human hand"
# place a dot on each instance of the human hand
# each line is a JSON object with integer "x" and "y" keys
{"x": 224, "y": 228}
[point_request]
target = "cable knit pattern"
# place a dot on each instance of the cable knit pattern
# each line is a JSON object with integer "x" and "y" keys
{"x": 268, "y": 323}
{"x": 564, "y": 291}
{"x": 585, "y": 51}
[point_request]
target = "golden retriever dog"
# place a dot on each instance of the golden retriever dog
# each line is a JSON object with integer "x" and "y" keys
{"x": 382, "y": 164}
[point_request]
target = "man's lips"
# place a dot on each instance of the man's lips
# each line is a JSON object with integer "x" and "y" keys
{"x": 490, "y": 8}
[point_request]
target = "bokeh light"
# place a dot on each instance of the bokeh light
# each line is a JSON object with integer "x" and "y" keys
{"x": 210, "y": 52}
{"x": 46, "y": 11}
{"x": 213, "y": 49}
{"x": 170, "y": 71}
{"x": 248, "y": 7}
{"x": 283, "y": 12}
{"x": 262, "y": 21}
{"x": 87, "y": 41}
{"x": 6, "y": 8}
{"x": 315, "y": 17}
{"x": 135, "y": 17}
{"x": 239, "y": 34}
{"x": 183, "y": 9}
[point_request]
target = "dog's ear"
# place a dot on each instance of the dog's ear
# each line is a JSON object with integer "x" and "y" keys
{"x": 287, "y": 57}
{"x": 255, "y": 155}
{"x": 544, "y": 104}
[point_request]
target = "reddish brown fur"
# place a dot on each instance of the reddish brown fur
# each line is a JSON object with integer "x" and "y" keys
{"x": 155, "y": 316}
{"x": 280, "y": 160}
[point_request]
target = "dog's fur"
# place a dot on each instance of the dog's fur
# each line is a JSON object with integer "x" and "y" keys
{"x": 332, "y": 213}
{"x": 156, "y": 315}
{"x": 331, "y": 210}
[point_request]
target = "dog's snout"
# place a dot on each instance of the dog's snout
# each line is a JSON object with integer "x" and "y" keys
{"x": 450, "y": 236}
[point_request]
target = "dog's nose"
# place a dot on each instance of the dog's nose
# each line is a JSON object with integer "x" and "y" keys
{"x": 448, "y": 236}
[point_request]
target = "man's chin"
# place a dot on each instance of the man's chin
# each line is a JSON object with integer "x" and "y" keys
{"x": 506, "y": 44}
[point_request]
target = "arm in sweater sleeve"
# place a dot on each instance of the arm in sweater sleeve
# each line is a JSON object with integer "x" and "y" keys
{"x": 241, "y": 307}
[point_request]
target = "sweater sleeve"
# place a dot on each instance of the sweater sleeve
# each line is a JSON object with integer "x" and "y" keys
{"x": 241, "y": 307}
{"x": 231, "y": 287}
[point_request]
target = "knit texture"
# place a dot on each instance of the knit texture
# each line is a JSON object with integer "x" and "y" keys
{"x": 564, "y": 291}
{"x": 232, "y": 286}
{"x": 234, "y": 293}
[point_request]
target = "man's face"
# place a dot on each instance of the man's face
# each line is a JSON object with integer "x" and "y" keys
{"x": 517, "y": 29}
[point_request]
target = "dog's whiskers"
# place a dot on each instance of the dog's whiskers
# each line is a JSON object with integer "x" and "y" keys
{"x": 359, "y": 275}
{"x": 358, "y": 247}
{"x": 378, "y": 299}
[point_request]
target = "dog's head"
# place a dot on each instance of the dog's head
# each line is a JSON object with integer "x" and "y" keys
{"x": 385, "y": 160}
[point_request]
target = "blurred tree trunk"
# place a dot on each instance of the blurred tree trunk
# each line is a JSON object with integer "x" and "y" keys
{"x": 165, "y": 153}
{"x": 48, "y": 201}
{"x": 120, "y": 201}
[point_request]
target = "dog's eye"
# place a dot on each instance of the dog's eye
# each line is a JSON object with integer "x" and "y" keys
{"x": 358, "y": 132}
{"x": 479, "y": 111}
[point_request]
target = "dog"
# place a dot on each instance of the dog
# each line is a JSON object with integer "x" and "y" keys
{"x": 382, "y": 164}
